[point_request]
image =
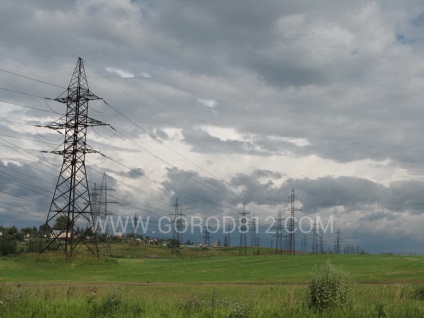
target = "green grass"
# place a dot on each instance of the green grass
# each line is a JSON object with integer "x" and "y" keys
{"x": 198, "y": 283}
{"x": 264, "y": 269}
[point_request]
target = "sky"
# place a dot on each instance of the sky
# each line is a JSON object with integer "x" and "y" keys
{"x": 225, "y": 103}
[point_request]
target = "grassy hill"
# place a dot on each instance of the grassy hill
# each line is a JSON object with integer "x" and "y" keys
{"x": 139, "y": 264}
{"x": 145, "y": 281}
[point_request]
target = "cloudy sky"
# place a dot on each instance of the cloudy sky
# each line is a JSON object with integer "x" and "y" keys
{"x": 221, "y": 103}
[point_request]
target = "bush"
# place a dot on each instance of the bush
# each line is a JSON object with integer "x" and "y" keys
{"x": 330, "y": 287}
{"x": 419, "y": 293}
{"x": 8, "y": 245}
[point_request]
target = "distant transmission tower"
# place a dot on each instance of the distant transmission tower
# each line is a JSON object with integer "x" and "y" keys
{"x": 95, "y": 205}
{"x": 71, "y": 204}
{"x": 321, "y": 244}
{"x": 279, "y": 235}
{"x": 104, "y": 203}
{"x": 243, "y": 231}
{"x": 177, "y": 228}
{"x": 304, "y": 246}
{"x": 291, "y": 229}
{"x": 254, "y": 235}
{"x": 227, "y": 236}
{"x": 99, "y": 205}
{"x": 135, "y": 228}
{"x": 337, "y": 245}
{"x": 206, "y": 236}
{"x": 314, "y": 239}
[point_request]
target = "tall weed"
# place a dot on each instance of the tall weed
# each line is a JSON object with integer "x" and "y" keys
{"x": 330, "y": 287}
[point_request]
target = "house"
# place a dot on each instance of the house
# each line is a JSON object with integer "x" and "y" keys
{"x": 118, "y": 234}
{"x": 58, "y": 234}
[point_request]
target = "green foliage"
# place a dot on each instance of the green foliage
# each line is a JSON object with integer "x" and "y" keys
{"x": 8, "y": 245}
{"x": 419, "y": 293}
{"x": 330, "y": 287}
{"x": 174, "y": 243}
{"x": 109, "y": 306}
{"x": 33, "y": 245}
{"x": 381, "y": 311}
{"x": 61, "y": 223}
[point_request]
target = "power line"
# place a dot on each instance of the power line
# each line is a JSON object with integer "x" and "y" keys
{"x": 123, "y": 115}
{"x": 196, "y": 179}
{"x": 16, "y": 206}
{"x": 20, "y": 138}
{"x": 19, "y": 92}
{"x": 30, "y": 107}
{"x": 30, "y": 78}
{"x": 177, "y": 153}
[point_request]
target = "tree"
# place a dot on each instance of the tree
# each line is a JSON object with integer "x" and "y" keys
{"x": 174, "y": 243}
{"x": 12, "y": 230}
{"x": 8, "y": 244}
{"x": 61, "y": 223}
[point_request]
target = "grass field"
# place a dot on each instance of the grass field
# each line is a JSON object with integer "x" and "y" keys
{"x": 158, "y": 282}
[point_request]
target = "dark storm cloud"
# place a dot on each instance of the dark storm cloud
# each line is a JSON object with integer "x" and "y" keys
{"x": 330, "y": 192}
{"x": 135, "y": 173}
{"x": 197, "y": 192}
{"x": 25, "y": 194}
{"x": 404, "y": 196}
{"x": 291, "y": 46}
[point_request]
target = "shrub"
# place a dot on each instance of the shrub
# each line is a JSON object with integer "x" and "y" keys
{"x": 330, "y": 287}
{"x": 8, "y": 245}
{"x": 419, "y": 293}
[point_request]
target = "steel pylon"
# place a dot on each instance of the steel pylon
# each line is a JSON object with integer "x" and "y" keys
{"x": 69, "y": 223}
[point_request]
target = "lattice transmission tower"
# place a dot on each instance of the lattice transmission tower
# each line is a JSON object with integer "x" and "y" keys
{"x": 71, "y": 202}
{"x": 244, "y": 228}
{"x": 206, "y": 236}
{"x": 291, "y": 244}
{"x": 304, "y": 245}
{"x": 254, "y": 238}
{"x": 100, "y": 207}
{"x": 279, "y": 235}
{"x": 227, "y": 236}
{"x": 178, "y": 222}
{"x": 337, "y": 243}
{"x": 315, "y": 235}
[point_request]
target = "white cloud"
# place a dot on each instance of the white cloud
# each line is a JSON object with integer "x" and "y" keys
{"x": 119, "y": 72}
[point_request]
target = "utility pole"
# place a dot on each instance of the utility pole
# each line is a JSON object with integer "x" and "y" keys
{"x": 71, "y": 199}
{"x": 243, "y": 231}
